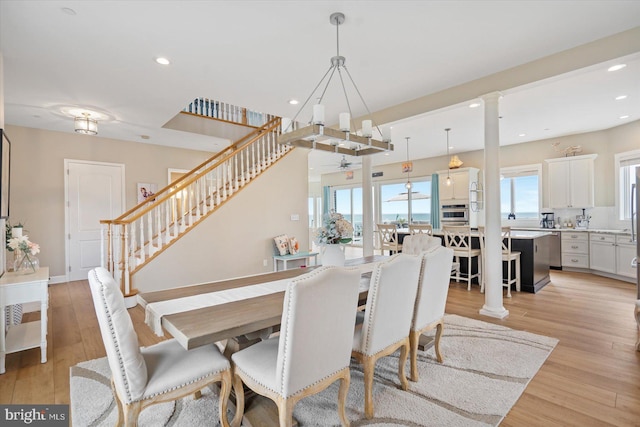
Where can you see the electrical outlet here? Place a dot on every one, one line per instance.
(264, 262)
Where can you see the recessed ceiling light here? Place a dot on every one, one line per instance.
(145, 137)
(163, 61)
(545, 129)
(616, 67)
(621, 97)
(68, 11)
(293, 101)
(474, 105)
(523, 134)
(624, 117)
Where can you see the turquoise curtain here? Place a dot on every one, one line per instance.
(435, 201)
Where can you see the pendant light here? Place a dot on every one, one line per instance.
(448, 175)
(408, 185)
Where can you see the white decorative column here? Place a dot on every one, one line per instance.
(367, 206)
(492, 273)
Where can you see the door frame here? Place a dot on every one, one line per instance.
(67, 162)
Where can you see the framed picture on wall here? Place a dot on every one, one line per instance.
(146, 191)
(5, 169)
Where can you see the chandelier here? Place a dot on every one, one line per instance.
(317, 136)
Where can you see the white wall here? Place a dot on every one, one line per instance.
(238, 237)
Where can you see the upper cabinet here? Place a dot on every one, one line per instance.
(570, 182)
(458, 188)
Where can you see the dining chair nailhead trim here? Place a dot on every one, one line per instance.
(127, 389)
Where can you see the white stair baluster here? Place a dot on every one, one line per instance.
(236, 175)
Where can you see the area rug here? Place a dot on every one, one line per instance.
(485, 370)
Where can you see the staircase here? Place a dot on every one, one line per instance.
(132, 240)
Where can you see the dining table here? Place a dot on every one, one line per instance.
(233, 314)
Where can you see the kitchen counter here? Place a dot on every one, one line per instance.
(591, 230)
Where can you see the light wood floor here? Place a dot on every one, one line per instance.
(591, 378)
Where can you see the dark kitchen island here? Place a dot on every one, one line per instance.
(534, 257)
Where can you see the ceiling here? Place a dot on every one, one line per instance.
(100, 55)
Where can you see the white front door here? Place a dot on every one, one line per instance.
(94, 192)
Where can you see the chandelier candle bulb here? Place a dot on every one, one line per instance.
(386, 134)
(367, 128)
(344, 122)
(318, 114)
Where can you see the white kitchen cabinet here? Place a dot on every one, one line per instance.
(575, 249)
(625, 252)
(458, 190)
(571, 181)
(602, 252)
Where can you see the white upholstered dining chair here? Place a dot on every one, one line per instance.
(387, 319)
(313, 348)
(160, 373)
(414, 244)
(431, 300)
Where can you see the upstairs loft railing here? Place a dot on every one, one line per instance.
(228, 112)
(142, 233)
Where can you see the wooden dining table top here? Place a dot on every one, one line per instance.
(208, 325)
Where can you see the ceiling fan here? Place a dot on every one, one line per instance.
(345, 164)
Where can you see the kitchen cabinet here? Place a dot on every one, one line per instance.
(571, 181)
(625, 252)
(602, 252)
(575, 249)
(458, 190)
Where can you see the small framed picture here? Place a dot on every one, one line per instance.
(407, 167)
(349, 174)
(146, 191)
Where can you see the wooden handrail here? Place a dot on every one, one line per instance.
(193, 175)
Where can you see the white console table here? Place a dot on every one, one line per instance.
(290, 257)
(18, 288)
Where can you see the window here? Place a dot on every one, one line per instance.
(520, 192)
(626, 163)
(348, 202)
(395, 205)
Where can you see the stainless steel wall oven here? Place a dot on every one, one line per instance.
(454, 214)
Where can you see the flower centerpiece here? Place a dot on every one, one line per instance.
(335, 230)
(26, 252)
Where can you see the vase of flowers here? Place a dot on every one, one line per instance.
(25, 253)
(335, 231)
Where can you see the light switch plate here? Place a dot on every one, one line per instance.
(295, 217)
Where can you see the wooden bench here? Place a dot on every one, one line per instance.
(290, 257)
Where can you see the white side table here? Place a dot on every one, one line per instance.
(19, 289)
(290, 257)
